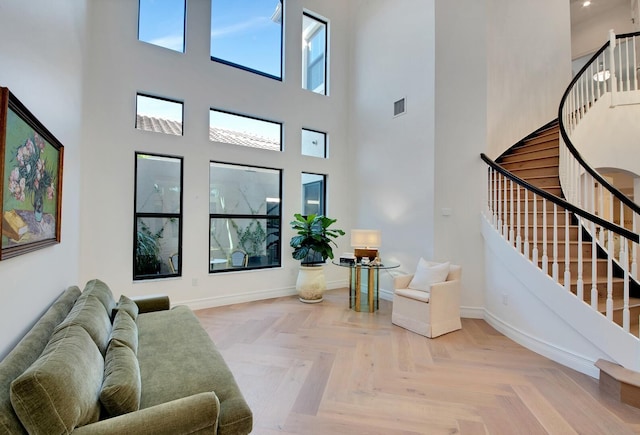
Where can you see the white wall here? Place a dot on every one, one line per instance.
(41, 44)
(499, 76)
(528, 67)
(461, 132)
(392, 163)
(119, 66)
(606, 137)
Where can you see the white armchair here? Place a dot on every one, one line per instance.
(430, 313)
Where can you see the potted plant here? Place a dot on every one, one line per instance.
(312, 246)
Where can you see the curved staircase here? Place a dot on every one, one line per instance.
(568, 238)
(535, 160)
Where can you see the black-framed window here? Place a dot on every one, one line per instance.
(244, 130)
(248, 35)
(160, 115)
(313, 193)
(162, 23)
(313, 143)
(244, 217)
(157, 241)
(314, 54)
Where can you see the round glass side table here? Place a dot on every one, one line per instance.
(368, 301)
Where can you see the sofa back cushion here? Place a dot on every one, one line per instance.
(89, 313)
(127, 305)
(121, 388)
(60, 390)
(125, 330)
(100, 290)
(26, 352)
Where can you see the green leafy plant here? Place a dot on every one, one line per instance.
(148, 250)
(314, 237)
(251, 238)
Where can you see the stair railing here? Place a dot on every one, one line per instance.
(610, 77)
(520, 212)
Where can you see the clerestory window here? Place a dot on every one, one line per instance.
(248, 35)
(314, 54)
(162, 22)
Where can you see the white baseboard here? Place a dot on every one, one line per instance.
(472, 312)
(258, 295)
(548, 350)
(385, 294)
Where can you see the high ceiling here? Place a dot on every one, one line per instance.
(580, 14)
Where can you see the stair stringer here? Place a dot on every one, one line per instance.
(542, 316)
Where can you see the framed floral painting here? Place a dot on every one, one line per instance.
(31, 184)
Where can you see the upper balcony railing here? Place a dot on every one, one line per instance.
(610, 77)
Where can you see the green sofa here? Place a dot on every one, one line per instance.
(91, 365)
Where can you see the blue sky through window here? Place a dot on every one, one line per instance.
(161, 22)
(247, 33)
(159, 108)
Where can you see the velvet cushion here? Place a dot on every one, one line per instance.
(100, 290)
(121, 388)
(125, 330)
(59, 391)
(89, 313)
(428, 273)
(127, 305)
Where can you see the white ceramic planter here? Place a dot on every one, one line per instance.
(311, 284)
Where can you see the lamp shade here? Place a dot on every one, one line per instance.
(366, 238)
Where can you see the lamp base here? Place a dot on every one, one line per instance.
(360, 253)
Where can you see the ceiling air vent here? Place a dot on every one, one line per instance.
(399, 107)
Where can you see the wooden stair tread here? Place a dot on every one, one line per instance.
(619, 373)
(549, 139)
(533, 146)
(620, 383)
(530, 179)
(527, 155)
(618, 304)
(530, 168)
(526, 163)
(547, 136)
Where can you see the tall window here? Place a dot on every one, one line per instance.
(248, 35)
(244, 130)
(161, 22)
(158, 217)
(245, 219)
(314, 54)
(160, 115)
(314, 143)
(313, 194)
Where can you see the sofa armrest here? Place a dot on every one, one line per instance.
(402, 281)
(181, 416)
(147, 304)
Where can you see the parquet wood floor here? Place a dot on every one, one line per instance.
(324, 369)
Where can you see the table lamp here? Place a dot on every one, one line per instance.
(366, 243)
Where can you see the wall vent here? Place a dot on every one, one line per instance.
(399, 107)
